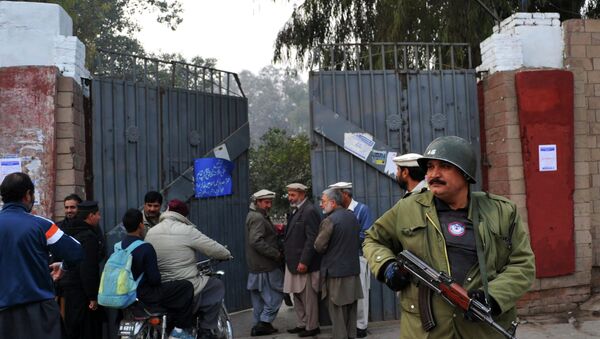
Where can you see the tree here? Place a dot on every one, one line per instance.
(317, 22)
(109, 24)
(276, 99)
(278, 161)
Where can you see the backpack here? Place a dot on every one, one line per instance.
(117, 286)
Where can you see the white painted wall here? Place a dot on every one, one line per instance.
(532, 40)
(39, 34)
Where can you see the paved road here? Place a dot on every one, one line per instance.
(583, 325)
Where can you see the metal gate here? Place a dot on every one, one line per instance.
(150, 120)
(369, 101)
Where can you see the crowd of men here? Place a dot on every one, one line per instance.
(439, 219)
(163, 249)
(476, 238)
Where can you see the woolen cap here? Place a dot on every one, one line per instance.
(297, 187)
(341, 185)
(178, 206)
(408, 160)
(87, 206)
(263, 194)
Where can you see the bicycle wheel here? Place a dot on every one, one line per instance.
(224, 326)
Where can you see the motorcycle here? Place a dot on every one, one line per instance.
(141, 322)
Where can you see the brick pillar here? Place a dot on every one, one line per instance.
(582, 57)
(70, 143)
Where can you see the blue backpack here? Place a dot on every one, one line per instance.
(117, 286)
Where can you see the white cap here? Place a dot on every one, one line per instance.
(408, 160)
(263, 194)
(341, 185)
(297, 187)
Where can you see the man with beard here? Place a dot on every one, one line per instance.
(409, 175)
(338, 242)
(264, 257)
(365, 220)
(152, 203)
(83, 318)
(302, 261)
(447, 227)
(70, 204)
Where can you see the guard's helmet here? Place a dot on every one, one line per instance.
(454, 150)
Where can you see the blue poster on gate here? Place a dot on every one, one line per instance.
(212, 177)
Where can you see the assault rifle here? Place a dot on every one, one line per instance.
(452, 292)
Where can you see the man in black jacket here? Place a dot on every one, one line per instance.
(83, 318)
(302, 261)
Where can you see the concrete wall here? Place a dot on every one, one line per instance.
(27, 107)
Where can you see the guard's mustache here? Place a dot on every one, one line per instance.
(437, 181)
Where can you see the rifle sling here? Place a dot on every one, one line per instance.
(427, 320)
(479, 246)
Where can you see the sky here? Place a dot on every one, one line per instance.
(240, 34)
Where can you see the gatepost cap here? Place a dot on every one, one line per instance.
(296, 186)
(341, 185)
(87, 205)
(263, 194)
(408, 160)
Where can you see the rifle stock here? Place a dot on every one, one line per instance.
(452, 292)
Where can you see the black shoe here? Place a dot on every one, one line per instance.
(288, 300)
(296, 329)
(309, 333)
(361, 333)
(262, 328)
(268, 327)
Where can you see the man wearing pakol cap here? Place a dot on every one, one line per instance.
(302, 261)
(363, 215)
(176, 241)
(338, 242)
(476, 238)
(83, 316)
(409, 175)
(264, 257)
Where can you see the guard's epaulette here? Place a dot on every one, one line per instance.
(493, 196)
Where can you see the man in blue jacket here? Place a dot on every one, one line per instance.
(27, 305)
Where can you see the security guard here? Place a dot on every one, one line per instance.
(475, 237)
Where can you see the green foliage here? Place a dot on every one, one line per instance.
(278, 161)
(317, 22)
(276, 99)
(110, 24)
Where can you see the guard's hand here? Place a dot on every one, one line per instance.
(479, 295)
(56, 271)
(396, 278)
(93, 305)
(301, 268)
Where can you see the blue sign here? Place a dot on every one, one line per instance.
(212, 177)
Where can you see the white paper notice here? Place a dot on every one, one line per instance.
(359, 144)
(221, 152)
(390, 166)
(8, 166)
(547, 158)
